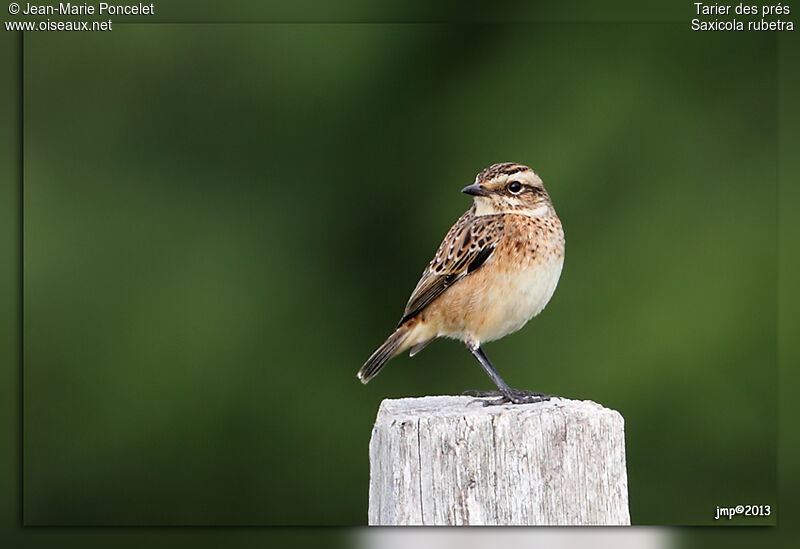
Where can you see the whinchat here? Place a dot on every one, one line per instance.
(496, 268)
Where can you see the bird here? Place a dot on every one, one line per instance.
(497, 267)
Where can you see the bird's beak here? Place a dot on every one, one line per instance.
(475, 190)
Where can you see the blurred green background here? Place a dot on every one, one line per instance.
(223, 221)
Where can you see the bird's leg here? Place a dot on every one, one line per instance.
(506, 393)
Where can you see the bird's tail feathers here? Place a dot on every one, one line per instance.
(396, 344)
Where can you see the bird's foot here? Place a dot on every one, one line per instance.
(477, 393)
(512, 396)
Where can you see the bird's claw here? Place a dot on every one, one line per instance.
(511, 396)
(477, 393)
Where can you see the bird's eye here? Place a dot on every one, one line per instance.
(515, 187)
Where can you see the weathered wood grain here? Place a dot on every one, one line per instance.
(445, 460)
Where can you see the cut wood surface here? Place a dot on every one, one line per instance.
(447, 460)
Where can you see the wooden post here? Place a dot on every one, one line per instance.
(447, 460)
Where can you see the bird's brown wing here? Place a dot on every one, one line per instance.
(467, 246)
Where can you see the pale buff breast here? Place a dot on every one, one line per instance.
(513, 298)
(510, 289)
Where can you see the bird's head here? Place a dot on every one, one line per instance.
(509, 188)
